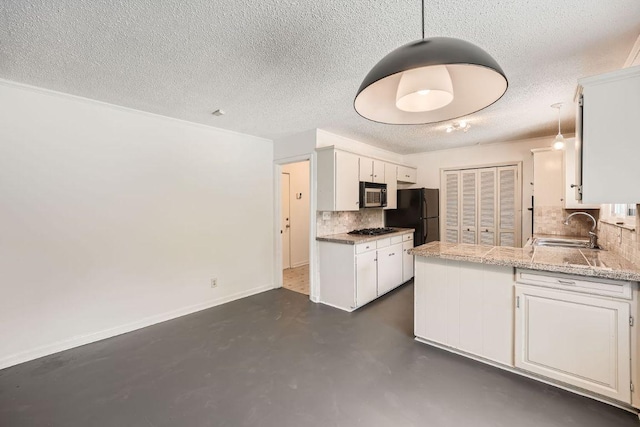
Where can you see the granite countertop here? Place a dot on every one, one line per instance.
(354, 239)
(583, 262)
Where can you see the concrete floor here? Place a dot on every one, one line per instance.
(275, 359)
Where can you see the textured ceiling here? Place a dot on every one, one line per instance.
(279, 67)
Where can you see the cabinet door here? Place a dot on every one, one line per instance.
(347, 186)
(576, 339)
(378, 172)
(509, 232)
(366, 169)
(366, 280)
(610, 149)
(406, 174)
(407, 261)
(389, 268)
(469, 206)
(548, 190)
(451, 207)
(487, 206)
(390, 178)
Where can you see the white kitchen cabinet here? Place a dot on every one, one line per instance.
(353, 275)
(569, 173)
(389, 268)
(366, 277)
(466, 306)
(338, 183)
(390, 173)
(607, 137)
(407, 174)
(371, 170)
(407, 260)
(548, 178)
(576, 339)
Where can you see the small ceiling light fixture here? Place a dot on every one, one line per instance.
(461, 125)
(430, 80)
(558, 143)
(218, 113)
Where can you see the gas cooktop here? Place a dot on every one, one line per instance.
(373, 231)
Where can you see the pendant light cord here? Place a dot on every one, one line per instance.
(559, 107)
(423, 19)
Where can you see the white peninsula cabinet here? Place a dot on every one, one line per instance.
(351, 275)
(465, 306)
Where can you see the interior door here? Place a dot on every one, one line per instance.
(285, 224)
(573, 338)
(451, 207)
(509, 207)
(487, 206)
(469, 206)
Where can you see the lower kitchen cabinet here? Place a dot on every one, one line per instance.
(465, 306)
(389, 268)
(354, 275)
(407, 259)
(576, 339)
(366, 277)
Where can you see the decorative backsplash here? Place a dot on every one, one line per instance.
(621, 241)
(550, 220)
(341, 222)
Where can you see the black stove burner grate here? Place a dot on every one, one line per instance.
(372, 231)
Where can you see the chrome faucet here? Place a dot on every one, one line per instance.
(593, 237)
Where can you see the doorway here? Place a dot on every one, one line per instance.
(295, 224)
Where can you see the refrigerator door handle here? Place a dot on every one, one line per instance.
(425, 230)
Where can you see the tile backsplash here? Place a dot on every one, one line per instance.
(550, 220)
(341, 222)
(621, 241)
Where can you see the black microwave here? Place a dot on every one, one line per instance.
(373, 195)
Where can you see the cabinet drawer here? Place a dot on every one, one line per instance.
(365, 247)
(407, 237)
(383, 243)
(594, 286)
(396, 239)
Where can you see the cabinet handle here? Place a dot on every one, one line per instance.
(517, 302)
(357, 203)
(392, 254)
(573, 185)
(566, 282)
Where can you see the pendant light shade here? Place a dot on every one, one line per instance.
(430, 80)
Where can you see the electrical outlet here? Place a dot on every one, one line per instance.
(326, 216)
(214, 283)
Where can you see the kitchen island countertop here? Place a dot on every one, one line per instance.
(582, 262)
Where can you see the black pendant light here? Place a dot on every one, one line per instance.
(430, 80)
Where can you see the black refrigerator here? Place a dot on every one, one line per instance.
(418, 208)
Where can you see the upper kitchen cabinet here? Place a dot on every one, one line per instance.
(338, 181)
(390, 173)
(548, 188)
(407, 174)
(569, 163)
(608, 140)
(371, 170)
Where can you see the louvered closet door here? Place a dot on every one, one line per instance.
(508, 210)
(452, 206)
(487, 206)
(469, 206)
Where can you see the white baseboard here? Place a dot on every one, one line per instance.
(66, 344)
(299, 264)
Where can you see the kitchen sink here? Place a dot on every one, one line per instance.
(561, 243)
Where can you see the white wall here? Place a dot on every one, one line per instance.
(113, 219)
(299, 212)
(430, 163)
(300, 144)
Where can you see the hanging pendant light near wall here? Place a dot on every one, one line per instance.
(558, 143)
(430, 80)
